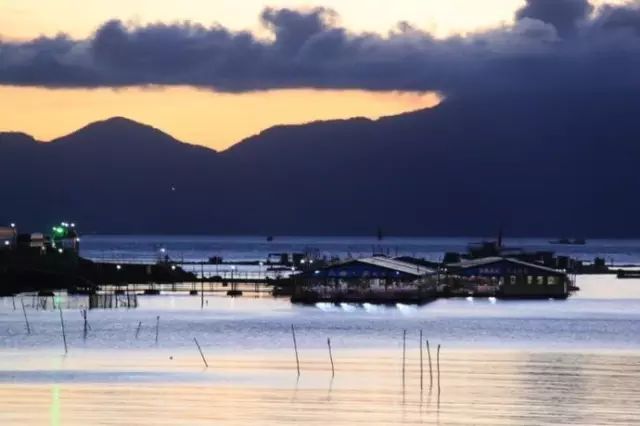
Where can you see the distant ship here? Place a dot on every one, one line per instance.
(270, 238)
(569, 241)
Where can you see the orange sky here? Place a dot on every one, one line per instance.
(29, 18)
(197, 116)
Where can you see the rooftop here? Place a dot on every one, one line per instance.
(471, 263)
(394, 264)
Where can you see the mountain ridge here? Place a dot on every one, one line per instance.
(540, 165)
(116, 129)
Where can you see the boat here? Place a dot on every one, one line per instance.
(629, 274)
(569, 241)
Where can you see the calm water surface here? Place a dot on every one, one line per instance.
(197, 248)
(549, 362)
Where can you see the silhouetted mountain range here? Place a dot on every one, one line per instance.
(540, 164)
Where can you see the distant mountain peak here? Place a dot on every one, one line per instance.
(118, 132)
(119, 121)
(118, 124)
(16, 138)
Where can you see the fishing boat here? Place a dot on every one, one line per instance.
(569, 241)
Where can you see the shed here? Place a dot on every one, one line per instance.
(373, 267)
(512, 277)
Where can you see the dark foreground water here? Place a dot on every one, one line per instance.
(548, 362)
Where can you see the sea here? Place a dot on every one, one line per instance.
(260, 360)
(241, 248)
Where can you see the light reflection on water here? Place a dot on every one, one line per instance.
(476, 387)
(562, 362)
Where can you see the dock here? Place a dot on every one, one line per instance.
(628, 274)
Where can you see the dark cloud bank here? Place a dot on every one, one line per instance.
(553, 43)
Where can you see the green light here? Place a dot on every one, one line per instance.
(55, 409)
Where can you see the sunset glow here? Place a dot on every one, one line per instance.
(203, 116)
(197, 116)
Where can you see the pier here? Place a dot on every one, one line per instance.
(37, 263)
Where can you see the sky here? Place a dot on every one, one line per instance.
(213, 72)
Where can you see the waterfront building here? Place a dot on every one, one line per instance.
(7, 237)
(372, 279)
(507, 277)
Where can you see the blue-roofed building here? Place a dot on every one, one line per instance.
(371, 279)
(509, 278)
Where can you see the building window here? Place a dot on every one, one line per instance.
(513, 280)
(529, 279)
(551, 280)
(540, 280)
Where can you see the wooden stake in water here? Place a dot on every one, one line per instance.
(404, 353)
(333, 371)
(26, 320)
(430, 367)
(421, 367)
(84, 316)
(13, 299)
(64, 335)
(438, 364)
(295, 347)
(138, 329)
(157, 327)
(201, 354)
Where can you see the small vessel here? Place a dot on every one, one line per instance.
(569, 241)
(270, 238)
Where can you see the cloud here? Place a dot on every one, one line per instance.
(552, 44)
(564, 15)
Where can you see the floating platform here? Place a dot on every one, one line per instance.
(374, 298)
(622, 274)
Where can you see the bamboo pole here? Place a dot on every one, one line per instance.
(430, 367)
(64, 335)
(438, 364)
(26, 320)
(157, 327)
(333, 371)
(421, 365)
(404, 353)
(84, 316)
(138, 329)
(295, 347)
(201, 354)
